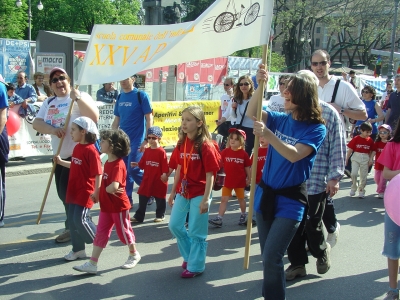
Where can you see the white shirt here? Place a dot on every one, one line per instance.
(277, 103)
(346, 96)
(226, 108)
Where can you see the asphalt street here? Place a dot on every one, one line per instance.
(32, 264)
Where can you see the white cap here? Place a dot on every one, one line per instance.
(87, 124)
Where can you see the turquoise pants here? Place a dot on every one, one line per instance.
(192, 242)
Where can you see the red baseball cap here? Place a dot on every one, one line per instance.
(241, 132)
(57, 69)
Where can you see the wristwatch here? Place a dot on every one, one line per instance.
(341, 110)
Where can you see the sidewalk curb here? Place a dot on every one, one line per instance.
(28, 172)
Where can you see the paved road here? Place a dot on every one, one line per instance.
(32, 267)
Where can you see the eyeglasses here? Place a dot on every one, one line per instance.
(321, 63)
(56, 79)
(244, 84)
(383, 132)
(152, 138)
(40, 78)
(226, 84)
(366, 92)
(281, 83)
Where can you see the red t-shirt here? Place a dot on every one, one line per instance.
(174, 159)
(197, 167)
(378, 148)
(234, 164)
(361, 145)
(262, 156)
(154, 163)
(85, 166)
(114, 171)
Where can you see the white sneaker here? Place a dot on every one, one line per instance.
(380, 196)
(75, 255)
(352, 193)
(333, 237)
(2, 222)
(247, 194)
(87, 267)
(361, 195)
(132, 261)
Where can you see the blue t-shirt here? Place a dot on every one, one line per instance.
(279, 172)
(371, 112)
(4, 146)
(132, 115)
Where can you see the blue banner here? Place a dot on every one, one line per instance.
(14, 58)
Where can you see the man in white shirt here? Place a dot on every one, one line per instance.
(348, 104)
(226, 107)
(276, 102)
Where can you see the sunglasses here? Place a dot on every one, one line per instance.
(321, 63)
(152, 138)
(227, 84)
(281, 83)
(383, 132)
(366, 92)
(244, 84)
(56, 79)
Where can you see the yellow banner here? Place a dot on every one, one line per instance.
(168, 115)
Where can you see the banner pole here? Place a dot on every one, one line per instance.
(54, 164)
(254, 166)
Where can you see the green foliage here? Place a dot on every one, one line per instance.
(194, 8)
(75, 16)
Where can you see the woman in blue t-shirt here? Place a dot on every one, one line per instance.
(281, 198)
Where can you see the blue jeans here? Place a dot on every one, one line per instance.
(192, 243)
(275, 237)
(81, 227)
(133, 174)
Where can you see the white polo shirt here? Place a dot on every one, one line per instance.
(346, 95)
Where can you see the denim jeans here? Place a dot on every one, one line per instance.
(275, 237)
(192, 243)
(133, 174)
(314, 233)
(81, 227)
(61, 176)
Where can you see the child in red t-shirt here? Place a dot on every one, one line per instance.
(384, 131)
(114, 203)
(154, 163)
(361, 146)
(236, 164)
(194, 177)
(83, 182)
(262, 156)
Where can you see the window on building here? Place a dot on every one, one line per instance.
(318, 29)
(317, 42)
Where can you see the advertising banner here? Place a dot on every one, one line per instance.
(14, 58)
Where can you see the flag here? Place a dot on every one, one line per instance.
(116, 52)
(378, 65)
(398, 69)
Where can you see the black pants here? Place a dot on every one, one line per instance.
(329, 216)
(61, 175)
(313, 233)
(161, 205)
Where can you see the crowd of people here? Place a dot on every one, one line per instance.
(301, 159)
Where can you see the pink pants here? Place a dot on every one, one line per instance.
(122, 224)
(380, 182)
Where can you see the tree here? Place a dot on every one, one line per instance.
(13, 20)
(73, 16)
(194, 8)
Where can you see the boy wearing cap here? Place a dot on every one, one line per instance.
(83, 185)
(154, 163)
(237, 165)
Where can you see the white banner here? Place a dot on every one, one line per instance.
(116, 52)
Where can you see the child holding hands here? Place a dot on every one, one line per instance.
(154, 163)
(237, 164)
(384, 131)
(114, 203)
(83, 185)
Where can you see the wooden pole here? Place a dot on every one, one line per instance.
(254, 166)
(54, 164)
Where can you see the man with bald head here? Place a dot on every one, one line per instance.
(25, 90)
